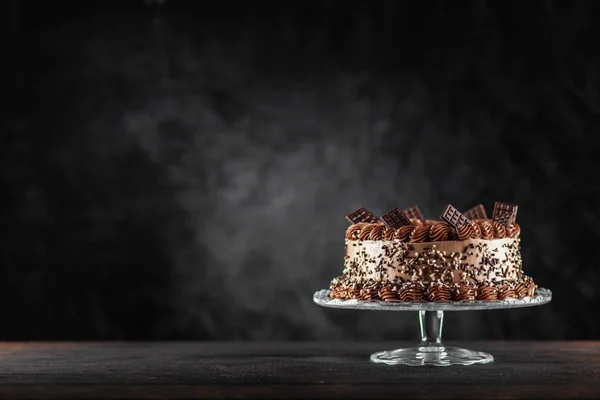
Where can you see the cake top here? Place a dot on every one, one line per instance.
(409, 225)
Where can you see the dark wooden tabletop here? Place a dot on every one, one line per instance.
(290, 370)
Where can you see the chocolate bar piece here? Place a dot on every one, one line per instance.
(454, 217)
(477, 212)
(395, 219)
(362, 215)
(504, 213)
(414, 212)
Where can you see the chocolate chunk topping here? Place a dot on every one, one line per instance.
(413, 212)
(477, 212)
(454, 217)
(362, 215)
(504, 213)
(395, 219)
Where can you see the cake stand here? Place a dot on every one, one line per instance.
(431, 350)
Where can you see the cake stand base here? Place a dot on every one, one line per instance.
(429, 355)
(431, 350)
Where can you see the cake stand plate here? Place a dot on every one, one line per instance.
(431, 350)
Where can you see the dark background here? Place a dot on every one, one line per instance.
(181, 170)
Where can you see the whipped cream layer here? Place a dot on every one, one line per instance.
(470, 260)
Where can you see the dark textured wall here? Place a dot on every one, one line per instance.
(182, 170)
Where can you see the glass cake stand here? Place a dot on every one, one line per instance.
(431, 350)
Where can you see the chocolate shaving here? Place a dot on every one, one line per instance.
(477, 212)
(362, 215)
(504, 213)
(454, 217)
(395, 218)
(413, 212)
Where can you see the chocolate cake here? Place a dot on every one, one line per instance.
(401, 256)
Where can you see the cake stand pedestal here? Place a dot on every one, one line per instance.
(431, 350)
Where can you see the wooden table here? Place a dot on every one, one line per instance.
(174, 370)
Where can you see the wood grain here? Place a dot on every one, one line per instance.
(171, 370)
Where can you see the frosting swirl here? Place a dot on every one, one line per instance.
(336, 284)
(476, 230)
(452, 234)
(464, 291)
(389, 234)
(420, 234)
(464, 232)
(404, 232)
(369, 292)
(354, 291)
(531, 286)
(388, 293)
(333, 292)
(337, 288)
(430, 221)
(377, 232)
(353, 231)
(438, 291)
(411, 291)
(487, 230)
(366, 231)
(487, 291)
(513, 230)
(505, 291)
(439, 231)
(521, 290)
(499, 230)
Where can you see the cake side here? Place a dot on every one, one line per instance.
(397, 258)
(472, 260)
(448, 270)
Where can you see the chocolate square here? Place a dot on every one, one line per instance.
(477, 212)
(454, 217)
(395, 219)
(362, 215)
(504, 213)
(414, 212)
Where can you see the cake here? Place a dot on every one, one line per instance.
(460, 257)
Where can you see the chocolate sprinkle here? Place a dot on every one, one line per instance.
(454, 217)
(362, 215)
(395, 218)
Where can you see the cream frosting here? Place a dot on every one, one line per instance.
(433, 261)
(433, 231)
(471, 260)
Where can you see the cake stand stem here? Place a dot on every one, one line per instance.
(431, 323)
(431, 350)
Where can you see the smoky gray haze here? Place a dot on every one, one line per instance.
(171, 178)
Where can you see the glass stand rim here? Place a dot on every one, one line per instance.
(542, 296)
